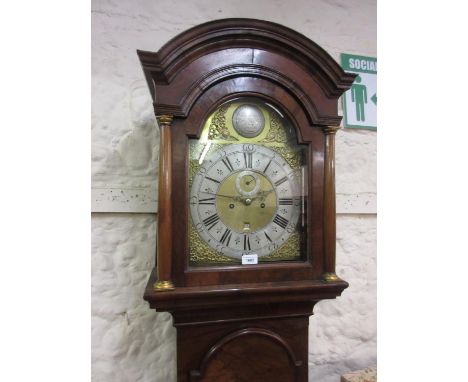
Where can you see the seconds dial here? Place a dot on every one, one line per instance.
(244, 199)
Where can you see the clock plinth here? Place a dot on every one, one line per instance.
(253, 332)
(248, 114)
(243, 332)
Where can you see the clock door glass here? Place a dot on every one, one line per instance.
(247, 187)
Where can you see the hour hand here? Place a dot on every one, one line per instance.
(235, 198)
(262, 194)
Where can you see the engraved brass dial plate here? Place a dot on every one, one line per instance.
(246, 193)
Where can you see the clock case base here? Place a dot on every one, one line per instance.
(248, 332)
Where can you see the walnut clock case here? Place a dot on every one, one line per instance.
(246, 233)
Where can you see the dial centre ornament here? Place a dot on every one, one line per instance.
(248, 120)
(246, 216)
(247, 183)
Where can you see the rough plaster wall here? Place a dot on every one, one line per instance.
(133, 343)
(130, 342)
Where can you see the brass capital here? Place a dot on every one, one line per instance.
(330, 277)
(331, 130)
(165, 119)
(163, 286)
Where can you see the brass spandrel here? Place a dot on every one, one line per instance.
(290, 250)
(193, 168)
(218, 128)
(202, 254)
(276, 132)
(292, 157)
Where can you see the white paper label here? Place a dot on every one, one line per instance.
(250, 259)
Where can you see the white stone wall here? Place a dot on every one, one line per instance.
(132, 343)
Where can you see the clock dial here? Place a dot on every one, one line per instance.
(245, 199)
(246, 187)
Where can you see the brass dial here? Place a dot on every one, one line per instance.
(247, 186)
(245, 198)
(252, 204)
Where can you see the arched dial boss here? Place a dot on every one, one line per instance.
(245, 199)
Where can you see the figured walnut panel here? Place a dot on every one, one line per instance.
(251, 354)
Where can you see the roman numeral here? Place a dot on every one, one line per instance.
(226, 237)
(207, 201)
(228, 164)
(268, 237)
(248, 159)
(246, 243)
(285, 202)
(282, 180)
(211, 221)
(213, 180)
(266, 168)
(282, 222)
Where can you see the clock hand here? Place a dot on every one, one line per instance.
(236, 198)
(262, 194)
(247, 182)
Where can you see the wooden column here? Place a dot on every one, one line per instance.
(164, 239)
(330, 205)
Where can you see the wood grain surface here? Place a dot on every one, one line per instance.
(244, 323)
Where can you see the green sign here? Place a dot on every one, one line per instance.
(360, 102)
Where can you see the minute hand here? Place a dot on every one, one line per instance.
(236, 198)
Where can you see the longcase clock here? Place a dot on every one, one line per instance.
(246, 232)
